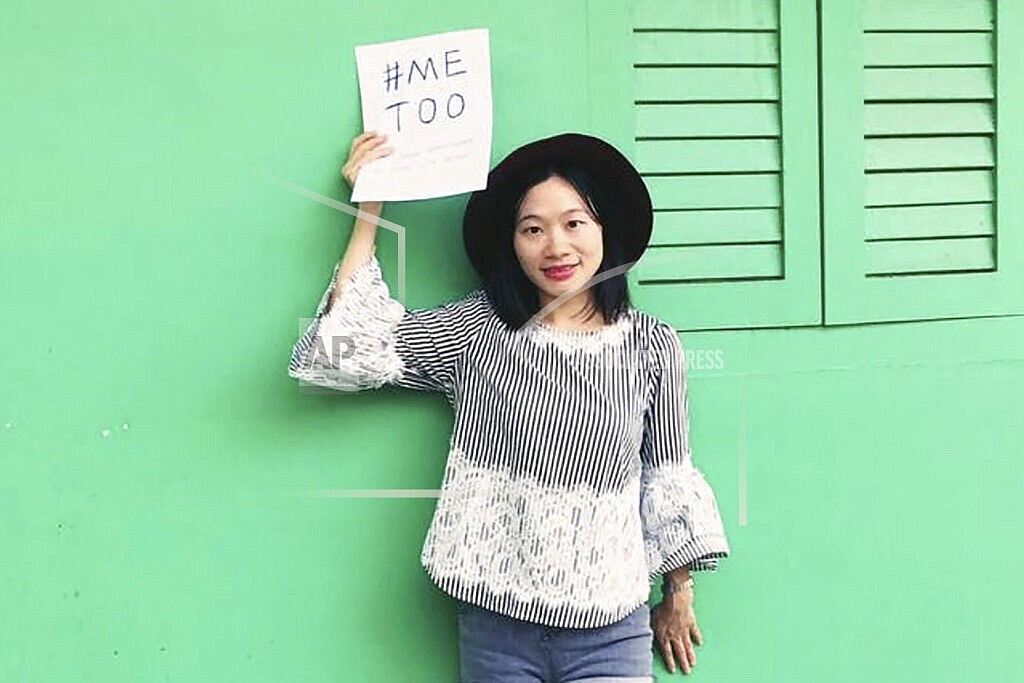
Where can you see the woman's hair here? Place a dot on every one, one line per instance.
(514, 295)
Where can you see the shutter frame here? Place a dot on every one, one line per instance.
(851, 295)
(697, 298)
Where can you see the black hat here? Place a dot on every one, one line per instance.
(609, 169)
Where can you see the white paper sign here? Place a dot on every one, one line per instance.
(432, 97)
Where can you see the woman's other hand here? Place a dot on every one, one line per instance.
(675, 630)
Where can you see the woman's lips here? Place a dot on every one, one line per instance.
(560, 272)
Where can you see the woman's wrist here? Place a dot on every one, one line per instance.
(677, 581)
(678, 575)
(372, 207)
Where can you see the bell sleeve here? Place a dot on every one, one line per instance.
(367, 339)
(680, 517)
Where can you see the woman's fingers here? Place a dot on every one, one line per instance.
(379, 151)
(366, 158)
(359, 139)
(366, 147)
(678, 649)
(681, 653)
(689, 654)
(366, 141)
(360, 144)
(698, 637)
(677, 636)
(363, 159)
(665, 644)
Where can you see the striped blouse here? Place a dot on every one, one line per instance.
(569, 484)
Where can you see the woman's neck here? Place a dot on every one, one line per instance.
(572, 313)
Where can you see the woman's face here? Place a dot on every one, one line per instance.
(555, 227)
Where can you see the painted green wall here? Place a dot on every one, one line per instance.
(152, 445)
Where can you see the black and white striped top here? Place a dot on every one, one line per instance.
(569, 485)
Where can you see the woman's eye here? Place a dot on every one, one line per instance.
(575, 221)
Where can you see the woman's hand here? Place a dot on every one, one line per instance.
(364, 148)
(675, 630)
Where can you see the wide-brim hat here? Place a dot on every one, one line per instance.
(615, 175)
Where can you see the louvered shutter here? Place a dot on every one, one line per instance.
(724, 129)
(921, 142)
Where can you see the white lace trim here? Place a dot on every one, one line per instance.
(678, 508)
(588, 341)
(351, 347)
(536, 542)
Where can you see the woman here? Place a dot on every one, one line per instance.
(569, 484)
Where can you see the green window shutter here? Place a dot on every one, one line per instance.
(922, 147)
(724, 130)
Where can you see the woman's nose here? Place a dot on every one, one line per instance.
(557, 244)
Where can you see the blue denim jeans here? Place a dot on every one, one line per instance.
(494, 648)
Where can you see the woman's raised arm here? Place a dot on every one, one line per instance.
(360, 337)
(364, 148)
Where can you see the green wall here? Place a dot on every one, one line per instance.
(153, 450)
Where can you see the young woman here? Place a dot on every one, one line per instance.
(569, 484)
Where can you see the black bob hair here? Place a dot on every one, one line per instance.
(515, 296)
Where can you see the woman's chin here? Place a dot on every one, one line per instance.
(558, 288)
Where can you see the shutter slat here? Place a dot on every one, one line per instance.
(709, 84)
(707, 156)
(734, 15)
(910, 119)
(927, 15)
(927, 49)
(707, 120)
(703, 227)
(928, 152)
(696, 48)
(930, 256)
(928, 83)
(714, 191)
(929, 221)
(676, 264)
(924, 187)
